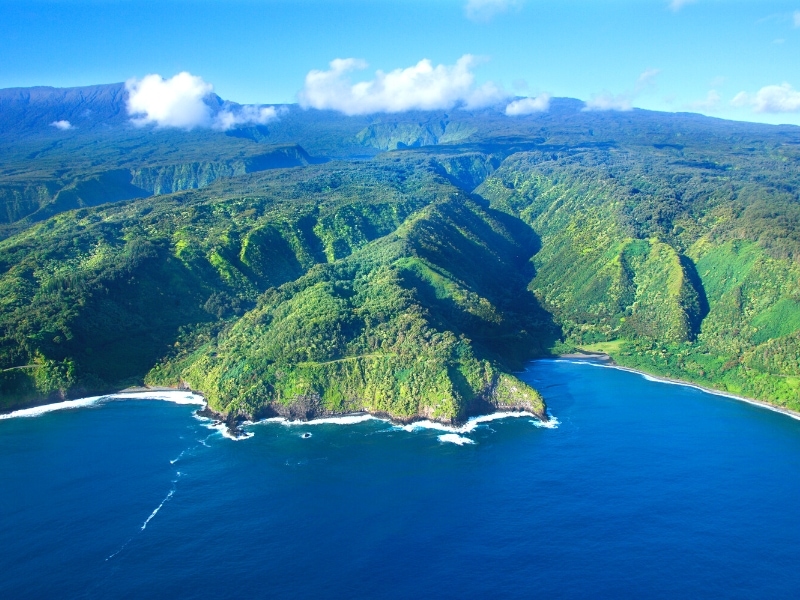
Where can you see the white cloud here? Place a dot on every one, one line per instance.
(247, 114)
(482, 11)
(741, 99)
(647, 79)
(421, 87)
(796, 18)
(62, 125)
(676, 5)
(606, 101)
(624, 101)
(181, 102)
(527, 106)
(486, 95)
(770, 99)
(175, 102)
(709, 104)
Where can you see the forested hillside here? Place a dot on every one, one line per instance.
(680, 263)
(404, 264)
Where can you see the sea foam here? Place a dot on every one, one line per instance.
(551, 423)
(345, 420)
(471, 425)
(158, 508)
(222, 428)
(454, 438)
(176, 397)
(37, 411)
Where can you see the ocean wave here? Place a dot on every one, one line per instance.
(471, 424)
(40, 410)
(551, 423)
(222, 428)
(345, 420)
(176, 397)
(454, 438)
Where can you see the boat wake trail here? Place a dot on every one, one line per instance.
(152, 514)
(158, 508)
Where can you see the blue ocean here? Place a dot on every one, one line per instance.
(638, 489)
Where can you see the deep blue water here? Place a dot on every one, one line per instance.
(644, 489)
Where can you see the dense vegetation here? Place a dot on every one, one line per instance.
(410, 282)
(340, 274)
(689, 268)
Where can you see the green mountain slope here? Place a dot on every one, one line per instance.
(405, 264)
(682, 267)
(398, 327)
(93, 298)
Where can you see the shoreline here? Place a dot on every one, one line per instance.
(600, 359)
(233, 424)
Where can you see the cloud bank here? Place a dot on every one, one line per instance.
(482, 11)
(62, 125)
(710, 103)
(182, 102)
(607, 101)
(244, 115)
(420, 87)
(770, 99)
(528, 106)
(623, 101)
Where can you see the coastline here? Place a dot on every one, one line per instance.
(600, 359)
(174, 395)
(232, 425)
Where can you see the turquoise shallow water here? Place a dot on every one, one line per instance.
(643, 489)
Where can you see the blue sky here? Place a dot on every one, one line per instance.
(728, 58)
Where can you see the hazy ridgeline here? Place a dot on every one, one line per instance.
(404, 264)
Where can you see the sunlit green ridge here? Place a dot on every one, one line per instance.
(404, 264)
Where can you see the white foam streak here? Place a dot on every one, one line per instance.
(158, 508)
(454, 438)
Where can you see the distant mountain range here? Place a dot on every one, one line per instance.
(403, 264)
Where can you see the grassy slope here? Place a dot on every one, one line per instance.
(689, 273)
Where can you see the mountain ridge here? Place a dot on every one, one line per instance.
(374, 263)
